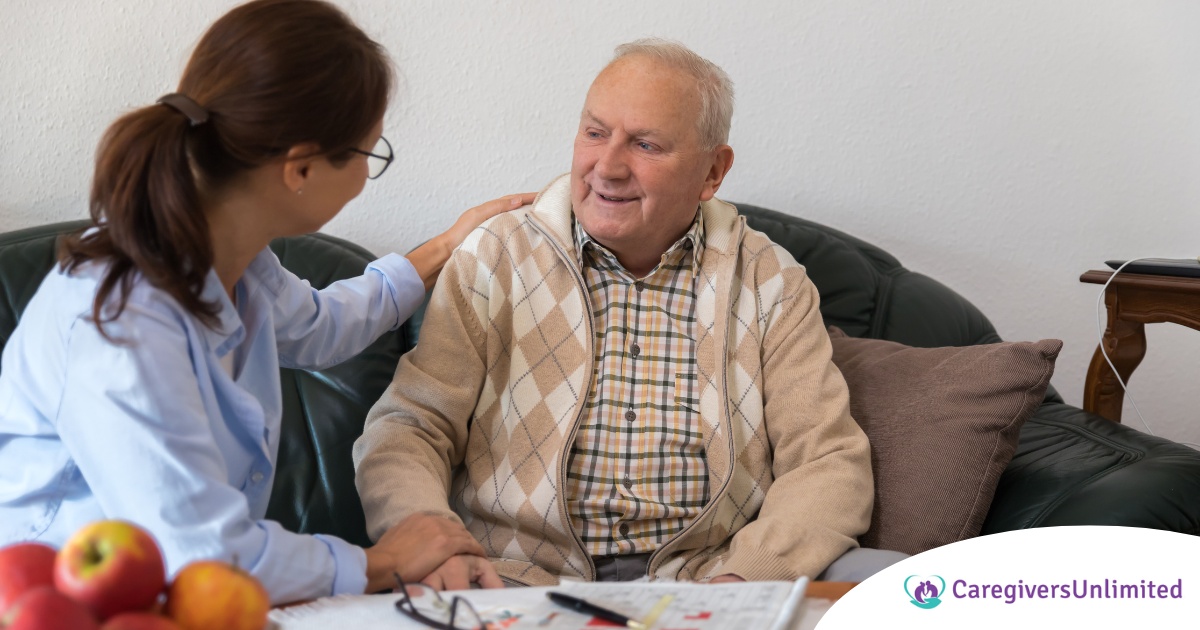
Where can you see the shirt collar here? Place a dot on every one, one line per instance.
(226, 331)
(694, 235)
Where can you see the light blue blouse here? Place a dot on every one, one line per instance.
(153, 430)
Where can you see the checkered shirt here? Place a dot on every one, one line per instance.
(638, 474)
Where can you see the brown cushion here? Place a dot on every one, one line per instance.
(943, 424)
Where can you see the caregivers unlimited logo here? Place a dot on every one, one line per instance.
(923, 591)
(926, 591)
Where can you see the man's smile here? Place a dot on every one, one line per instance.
(614, 198)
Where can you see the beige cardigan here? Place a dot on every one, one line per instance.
(485, 409)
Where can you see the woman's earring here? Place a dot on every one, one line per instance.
(300, 191)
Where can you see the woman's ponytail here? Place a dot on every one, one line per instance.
(145, 209)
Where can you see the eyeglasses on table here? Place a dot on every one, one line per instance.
(456, 614)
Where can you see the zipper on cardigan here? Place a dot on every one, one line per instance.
(566, 453)
(733, 456)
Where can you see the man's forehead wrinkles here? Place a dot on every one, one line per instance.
(644, 132)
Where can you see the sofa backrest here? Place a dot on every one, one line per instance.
(866, 292)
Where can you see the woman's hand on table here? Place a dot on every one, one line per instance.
(416, 547)
(430, 257)
(460, 572)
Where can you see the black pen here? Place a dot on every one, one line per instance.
(579, 605)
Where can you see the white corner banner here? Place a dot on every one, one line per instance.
(1085, 576)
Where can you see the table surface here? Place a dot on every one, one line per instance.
(1182, 284)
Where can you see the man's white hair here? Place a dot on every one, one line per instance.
(715, 86)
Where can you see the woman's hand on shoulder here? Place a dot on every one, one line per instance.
(472, 218)
(429, 258)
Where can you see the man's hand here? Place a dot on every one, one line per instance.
(415, 547)
(459, 572)
(725, 579)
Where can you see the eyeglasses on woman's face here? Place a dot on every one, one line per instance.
(378, 159)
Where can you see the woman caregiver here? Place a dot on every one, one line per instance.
(143, 380)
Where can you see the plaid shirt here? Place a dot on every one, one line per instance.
(637, 474)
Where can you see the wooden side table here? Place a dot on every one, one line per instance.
(1133, 300)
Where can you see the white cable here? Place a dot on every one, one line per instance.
(1104, 353)
(1100, 333)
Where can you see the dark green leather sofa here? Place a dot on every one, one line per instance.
(1070, 468)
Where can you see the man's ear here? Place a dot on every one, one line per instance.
(297, 165)
(722, 161)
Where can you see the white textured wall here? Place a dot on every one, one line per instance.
(1001, 147)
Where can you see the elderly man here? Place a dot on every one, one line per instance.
(625, 380)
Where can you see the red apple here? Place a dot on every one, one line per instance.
(208, 595)
(22, 567)
(43, 608)
(139, 621)
(111, 567)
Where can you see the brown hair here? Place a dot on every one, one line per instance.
(272, 74)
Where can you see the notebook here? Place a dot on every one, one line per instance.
(766, 605)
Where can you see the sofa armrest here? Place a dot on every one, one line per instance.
(1076, 468)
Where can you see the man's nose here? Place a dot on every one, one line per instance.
(611, 164)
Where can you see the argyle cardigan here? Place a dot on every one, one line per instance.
(480, 418)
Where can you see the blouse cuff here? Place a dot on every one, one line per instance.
(350, 565)
(407, 287)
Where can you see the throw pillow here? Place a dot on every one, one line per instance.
(943, 424)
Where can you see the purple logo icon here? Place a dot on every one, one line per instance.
(923, 591)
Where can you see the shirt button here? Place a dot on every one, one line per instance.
(635, 350)
(256, 477)
(639, 286)
(624, 529)
(630, 415)
(628, 483)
